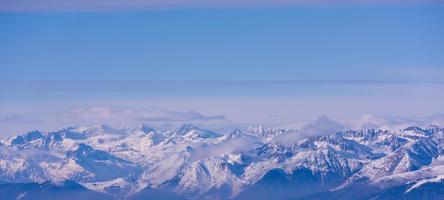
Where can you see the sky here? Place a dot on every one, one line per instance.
(252, 62)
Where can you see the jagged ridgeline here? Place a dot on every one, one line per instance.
(101, 162)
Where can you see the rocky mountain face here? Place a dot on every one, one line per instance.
(102, 162)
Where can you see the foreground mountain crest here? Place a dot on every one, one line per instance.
(102, 162)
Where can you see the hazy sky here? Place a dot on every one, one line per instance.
(253, 63)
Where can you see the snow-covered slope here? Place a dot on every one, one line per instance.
(194, 163)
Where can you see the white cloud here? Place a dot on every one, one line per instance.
(157, 117)
(321, 126)
(324, 125)
(368, 121)
(113, 116)
(18, 118)
(121, 116)
(11, 124)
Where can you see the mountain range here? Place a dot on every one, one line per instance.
(103, 162)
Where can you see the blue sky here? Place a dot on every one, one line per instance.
(317, 59)
(357, 42)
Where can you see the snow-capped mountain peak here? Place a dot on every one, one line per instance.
(195, 163)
